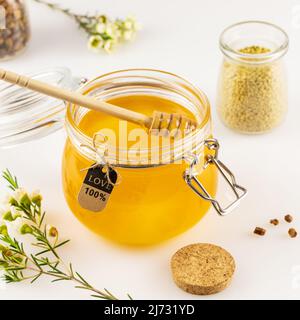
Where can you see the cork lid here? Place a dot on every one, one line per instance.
(26, 115)
(202, 269)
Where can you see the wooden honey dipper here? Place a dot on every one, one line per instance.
(160, 123)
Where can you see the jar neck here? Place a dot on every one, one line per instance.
(142, 82)
(254, 42)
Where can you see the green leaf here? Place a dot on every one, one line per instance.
(36, 277)
(42, 219)
(61, 244)
(83, 280)
(12, 180)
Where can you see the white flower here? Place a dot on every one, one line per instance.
(108, 46)
(15, 212)
(36, 197)
(3, 230)
(128, 24)
(35, 193)
(128, 35)
(95, 42)
(4, 208)
(18, 194)
(5, 201)
(102, 19)
(101, 27)
(25, 229)
(13, 227)
(110, 33)
(109, 30)
(117, 34)
(16, 225)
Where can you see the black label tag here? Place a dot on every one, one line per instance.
(97, 188)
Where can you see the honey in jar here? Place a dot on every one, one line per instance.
(151, 202)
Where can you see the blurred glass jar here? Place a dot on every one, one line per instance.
(14, 29)
(252, 90)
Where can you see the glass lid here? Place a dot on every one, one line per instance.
(26, 115)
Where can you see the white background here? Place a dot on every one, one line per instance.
(181, 37)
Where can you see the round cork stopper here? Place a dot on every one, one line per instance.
(202, 269)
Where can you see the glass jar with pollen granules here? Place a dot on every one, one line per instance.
(252, 90)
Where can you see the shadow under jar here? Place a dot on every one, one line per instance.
(252, 90)
(152, 201)
(14, 29)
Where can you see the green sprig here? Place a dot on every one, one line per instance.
(13, 182)
(19, 265)
(103, 33)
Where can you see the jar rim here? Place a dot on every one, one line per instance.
(236, 54)
(27, 115)
(198, 135)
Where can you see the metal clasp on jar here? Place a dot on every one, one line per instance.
(212, 159)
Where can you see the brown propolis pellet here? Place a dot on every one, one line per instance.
(260, 231)
(293, 233)
(288, 218)
(275, 222)
(202, 269)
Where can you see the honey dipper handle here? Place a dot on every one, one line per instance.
(75, 97)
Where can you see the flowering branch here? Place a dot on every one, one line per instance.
(104, 34)
(24, 212)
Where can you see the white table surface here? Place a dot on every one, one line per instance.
(181, 37)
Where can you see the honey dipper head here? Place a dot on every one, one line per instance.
(171, 124)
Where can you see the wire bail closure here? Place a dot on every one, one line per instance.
(190, 178)
(100, 155)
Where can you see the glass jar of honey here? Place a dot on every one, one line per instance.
(126, 185)
(150, 188)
